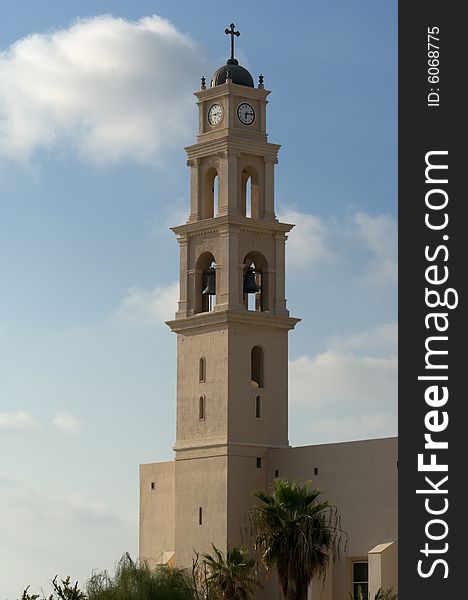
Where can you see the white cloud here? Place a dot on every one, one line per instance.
(379, 235)
(17, 421)
(335, 379)
(382, 340)
(314, 241)
(375, 425)
(307, 242)
(110, 88)
(350, 389)
(155, 305)
(37, 524)
(66, 422)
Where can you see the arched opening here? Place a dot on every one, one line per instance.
(257, 367)
(216, 196)
(210, 206)
(250, 196)
(202, 370)
(201, 408)
(254, 287)
(205, 283)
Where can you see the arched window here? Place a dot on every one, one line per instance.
(250, 195)
(255, 283)
(258, 407)
(201, 408)
(202, 370)
(209, 288)
(257, 367)
(216, 196)
(210, 206)
(252, 287)
(205, 283)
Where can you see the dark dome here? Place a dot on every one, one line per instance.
(237, 74)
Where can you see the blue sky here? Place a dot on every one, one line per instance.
(94, 115)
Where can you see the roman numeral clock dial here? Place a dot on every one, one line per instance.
(215, 114)
(245, 114)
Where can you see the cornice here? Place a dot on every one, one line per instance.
(230, 144)
(233, 89)
(220, 448)
(214, 224)
(207, 320)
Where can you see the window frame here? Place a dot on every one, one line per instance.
(355, 584)
(202, 370)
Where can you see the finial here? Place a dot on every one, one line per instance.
(231, 31)
(203, 83)
(260, 82)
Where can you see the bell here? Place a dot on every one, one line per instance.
(210, 289)
(250, 285)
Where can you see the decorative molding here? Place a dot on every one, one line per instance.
(207, 320)
(230, 144)
(214, 224)
(191, 446)
(225, 89)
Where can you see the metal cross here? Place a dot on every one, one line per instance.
(232, 33)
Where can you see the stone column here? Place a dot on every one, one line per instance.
(183, 278)
(269, 189)
(280, 300)
(195, 204)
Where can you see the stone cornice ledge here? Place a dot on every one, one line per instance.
(215, 223)
(190, 446)
(228, 144)
(214, 318)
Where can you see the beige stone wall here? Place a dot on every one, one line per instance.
(157, 514)
(271, 429)
(213, 345)
(200, 482)
(383, 568)
(244, 478)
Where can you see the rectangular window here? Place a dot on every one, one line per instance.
(200, 515)
(315, 471)
(360, 580)
(258, 407)
(153, 485)
(259, 462)
(201, 408)
(202, 370)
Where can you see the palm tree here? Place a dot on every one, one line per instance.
(136, 580)
(296, 532)
(232, 576)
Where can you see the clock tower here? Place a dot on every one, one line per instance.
(232, 328)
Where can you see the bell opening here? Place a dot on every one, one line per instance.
(209, 289)
(252, 288)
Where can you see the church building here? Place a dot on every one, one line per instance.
(232, 327)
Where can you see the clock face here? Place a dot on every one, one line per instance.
(215, 114)
(246, 113)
